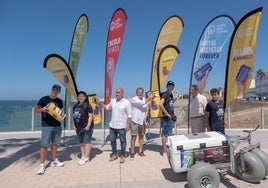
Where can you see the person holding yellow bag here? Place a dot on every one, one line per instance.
(51, 128)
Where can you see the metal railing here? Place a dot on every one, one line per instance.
(27, 120)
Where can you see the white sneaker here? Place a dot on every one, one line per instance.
(165, 155)
(83, 161)
(41, 170)
(56, 163)
(86, 159)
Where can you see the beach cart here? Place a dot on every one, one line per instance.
(201, 154)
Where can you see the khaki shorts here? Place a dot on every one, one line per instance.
(137, 129)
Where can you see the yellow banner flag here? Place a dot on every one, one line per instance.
(95, 107)
(169, 34)
(242, 56)
(166, 61)
(154, 108)
(59, 68)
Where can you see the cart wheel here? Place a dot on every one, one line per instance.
(203, 175)
(263, 157)
(254, 170)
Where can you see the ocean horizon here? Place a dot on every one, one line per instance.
(17, 115)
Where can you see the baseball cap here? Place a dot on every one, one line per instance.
(56, 86)
(83, 93)
(170, 83)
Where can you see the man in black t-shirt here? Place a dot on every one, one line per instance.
(51, 128)
(168, 119)
(214, 113)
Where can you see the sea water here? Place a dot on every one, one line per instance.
(17, 115)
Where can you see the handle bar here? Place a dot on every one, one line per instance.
(250, 131)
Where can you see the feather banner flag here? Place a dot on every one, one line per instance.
(169, 34)
(241, 56)
(78, 39)
(59, 68)
(76, 48)
(165, 63)
(212, 50)
(95, 107)
(154, 107)
(114, 42)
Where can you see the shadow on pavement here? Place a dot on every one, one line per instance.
(151, 136)
(174, 177)
(226, 181)
(26, 148)
(72, 148)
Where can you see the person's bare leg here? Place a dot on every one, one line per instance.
(133, 140)
(164, 140)
(54, 148)
(87, 147)
(82, 149)
(141, 143)
(43, 154)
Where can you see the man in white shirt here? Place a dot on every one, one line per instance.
(120, 122)
(198, 104)
(139, 120)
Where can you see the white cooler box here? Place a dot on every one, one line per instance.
(185, 150)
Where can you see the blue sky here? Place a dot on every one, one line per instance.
(32, 29)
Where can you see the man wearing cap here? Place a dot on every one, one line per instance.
(51, 129)
(168, 119)
(198, 104)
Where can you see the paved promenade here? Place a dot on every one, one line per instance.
(19, 162)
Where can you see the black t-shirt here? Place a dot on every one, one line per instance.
(216, 116)
(80, 114)
(47, 119)
(168, 104)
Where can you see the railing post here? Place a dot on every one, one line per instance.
(32, 119)
(229, 117)
(102, 124)
(69, 118)
(262, 117)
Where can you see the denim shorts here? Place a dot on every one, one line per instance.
(86, 136)
(50, 135)
(167, 126)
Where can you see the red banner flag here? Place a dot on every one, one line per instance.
(114, 41)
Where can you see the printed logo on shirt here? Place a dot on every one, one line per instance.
(76, 115)
(220, 113)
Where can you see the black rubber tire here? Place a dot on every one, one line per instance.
(263, 157)
(254, 169)
(203, 175)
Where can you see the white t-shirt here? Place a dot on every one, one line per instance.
(139, 110)
(121, 111)
(197, 105)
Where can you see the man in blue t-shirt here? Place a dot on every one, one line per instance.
(214, 113)
(168, 119)
(51, 128)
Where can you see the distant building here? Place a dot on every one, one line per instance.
(251, 88)
(264, 86)
(252, 84)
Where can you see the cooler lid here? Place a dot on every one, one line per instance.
(191, 141)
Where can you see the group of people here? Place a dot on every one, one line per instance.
(206, 115)
(127, 114)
